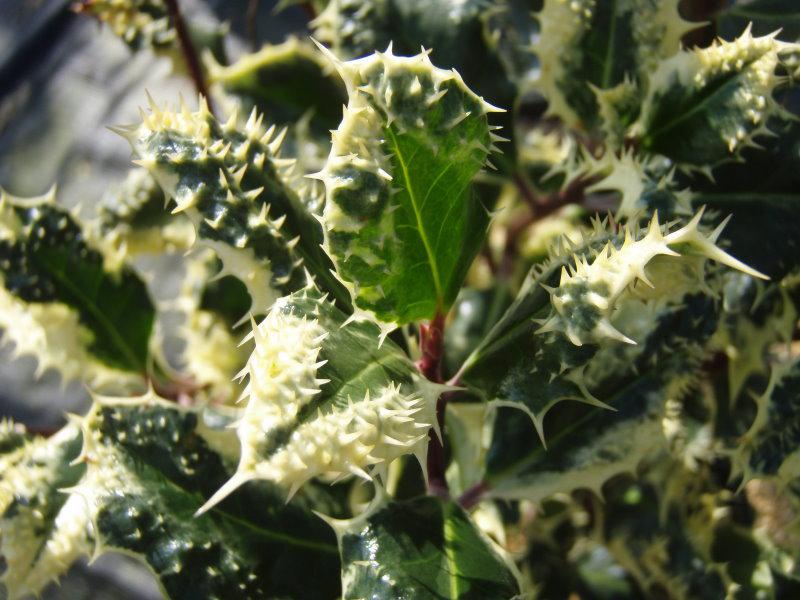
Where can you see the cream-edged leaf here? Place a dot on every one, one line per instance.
(325, 398)
(705, 105)
(43, 530)
(401, 221)
(69, 300)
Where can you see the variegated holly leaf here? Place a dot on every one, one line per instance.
(133, 221)
(283, 81)
(425, 548)
(705, 105)
(598, 55)
(769, 448)
(232, 184)
(664, 540)
(213, 352)
(148, 24)
(562, 362)
(401, 220)
(458, 33)
(755, 317)
(67, 299)
(42, 529)
(586, 444)
(587, 294)
(326, 398)
(766, 16)
(149, 467)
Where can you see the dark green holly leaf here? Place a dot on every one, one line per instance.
(67, 299)
(149, 469)
(426, 549)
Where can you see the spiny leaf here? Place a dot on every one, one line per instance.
(231, 184)
(533, 299)
(139, 23)
(401, 221)
(283, 81)
(147, 24)
(660, 539)
(42, 529)
(211, 307)
(74, 305)
(325, 398)
(133, 221)
(587, 444)
(587, 294)
(425, 548)
(148, 470)
(457, 32)
(765, 16)
(588, 48)
(755, 318)
(643, 187)
(707, 104)
(770, 447)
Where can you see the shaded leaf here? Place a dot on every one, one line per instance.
(766, 17)
(148, 471)
(424, 548)
(704, 106)
(284, 81)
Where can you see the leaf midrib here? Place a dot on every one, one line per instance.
(449, 552)
(418, 217)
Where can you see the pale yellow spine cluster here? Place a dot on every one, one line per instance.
(586, 296)
(35, 551)
(282, 377)
(755, 95)
(370, 432)
(561, 22)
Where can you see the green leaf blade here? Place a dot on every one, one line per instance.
(150, 469)
(401, 221)
(424, 548)
(71, 283)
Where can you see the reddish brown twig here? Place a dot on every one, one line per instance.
(189, 52)
(431, 343)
